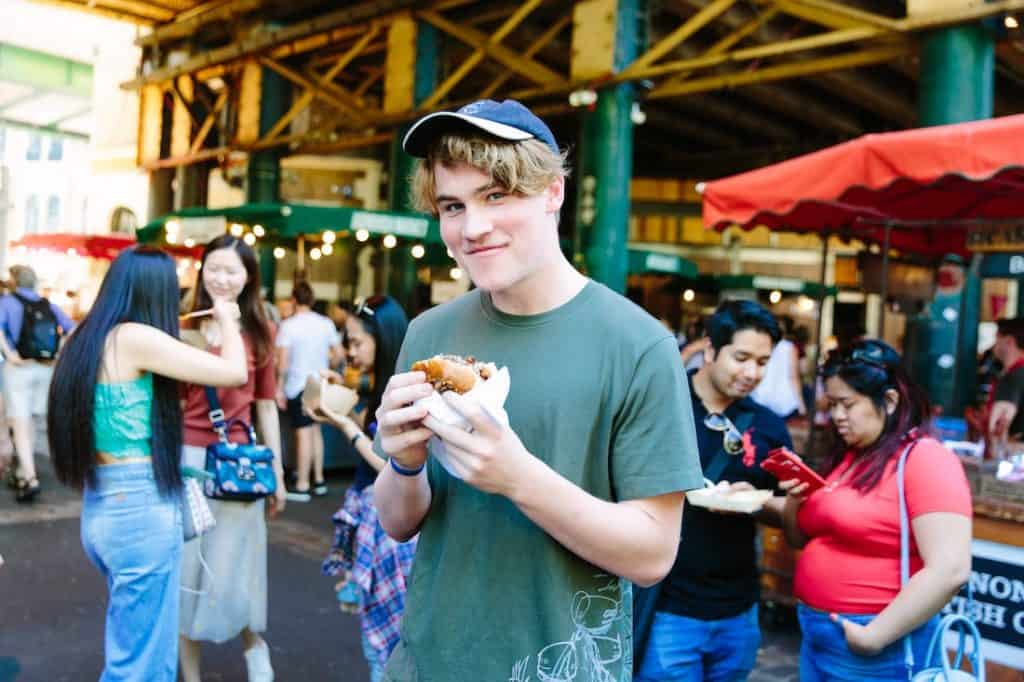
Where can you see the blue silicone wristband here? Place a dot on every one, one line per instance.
(402, 471)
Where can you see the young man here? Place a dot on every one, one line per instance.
(1006, 419)
(703, 624)
(307, 342)
(523, 565)
(29, 353)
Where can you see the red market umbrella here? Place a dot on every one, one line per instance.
(927, 186)
(103, 246)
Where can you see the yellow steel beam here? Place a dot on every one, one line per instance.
(478, 55)
(306, 97)
(250, 91)
(533, 70)
(966, 15)
(302, 81)
(150, 130)
(783, 71)
(102, 11)
(181, 116)
(835, 15)
(211, 117)
(400, 65)
(534, 47)
(740, 34)
(374, 76)
(698, 21)
(684, 66)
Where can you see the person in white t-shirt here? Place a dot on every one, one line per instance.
(306, 343)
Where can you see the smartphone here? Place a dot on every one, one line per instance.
(785, 465)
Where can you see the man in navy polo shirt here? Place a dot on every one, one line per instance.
(703, 624)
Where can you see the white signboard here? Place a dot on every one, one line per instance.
(389, 224)
(202, 229)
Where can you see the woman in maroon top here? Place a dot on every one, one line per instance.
(224, 573)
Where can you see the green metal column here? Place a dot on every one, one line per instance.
(606, 165)
(956, 85)
(263, 177)
(402, 274)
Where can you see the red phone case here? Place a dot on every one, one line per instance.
(785, 465)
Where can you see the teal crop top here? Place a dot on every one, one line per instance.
(122, 415)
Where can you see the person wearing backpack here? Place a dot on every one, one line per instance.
(32, 329)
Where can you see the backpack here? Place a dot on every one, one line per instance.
(40, 336)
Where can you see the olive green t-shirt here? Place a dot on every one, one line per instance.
(598, 393)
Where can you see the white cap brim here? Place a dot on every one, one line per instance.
(423, 133)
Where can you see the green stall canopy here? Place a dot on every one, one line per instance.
(287, 221)
(661, 263)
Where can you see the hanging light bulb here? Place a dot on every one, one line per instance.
(278, 252)
(327, 249)
(189, 243)
(237, 229)
(775, 297)
(329, 237)
(362, 235)
(688, 295)
(258, 230)
(314, 253)
(418, 251)
(390, 241)
(455, 273)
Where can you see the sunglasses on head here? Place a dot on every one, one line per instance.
(732, 439)
(363, 308)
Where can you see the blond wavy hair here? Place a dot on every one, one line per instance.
(526, 168)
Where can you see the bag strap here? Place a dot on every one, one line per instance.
(216, 414)
(908, 650)
(716, 467)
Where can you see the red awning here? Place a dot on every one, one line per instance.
(105, 246)
(927, 182)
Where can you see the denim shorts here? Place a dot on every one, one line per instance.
(826, 657)
(683, 649)
(134, 537)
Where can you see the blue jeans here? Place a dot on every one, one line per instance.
(825, 656)
(682, 649)
(134, 537)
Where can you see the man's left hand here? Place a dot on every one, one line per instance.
(859, 638)
(490, 457)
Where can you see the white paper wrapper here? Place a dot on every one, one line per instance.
(491, 394)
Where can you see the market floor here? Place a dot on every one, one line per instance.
(52, 601)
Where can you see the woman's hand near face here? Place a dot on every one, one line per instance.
(226, 312)
(332, 377)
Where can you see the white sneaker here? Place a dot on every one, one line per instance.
(257, 663)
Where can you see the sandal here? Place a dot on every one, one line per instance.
(27, 489)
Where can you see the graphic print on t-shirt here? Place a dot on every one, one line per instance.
(589, 655)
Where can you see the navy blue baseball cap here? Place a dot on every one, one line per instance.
(508, 120)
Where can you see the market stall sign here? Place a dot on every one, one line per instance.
(380, 223)
(997, 578)
(1002, 265)
(203, 229)
(666, 263)
(999, 237)
(781, 283)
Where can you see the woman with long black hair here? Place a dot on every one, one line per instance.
(854, 610)
(114, 425)
(227, 597)
(376, 566)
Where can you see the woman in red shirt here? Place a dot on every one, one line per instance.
(853, 611)
(224, 572)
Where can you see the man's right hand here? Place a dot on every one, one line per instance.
(15, 359)
(400, 423)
